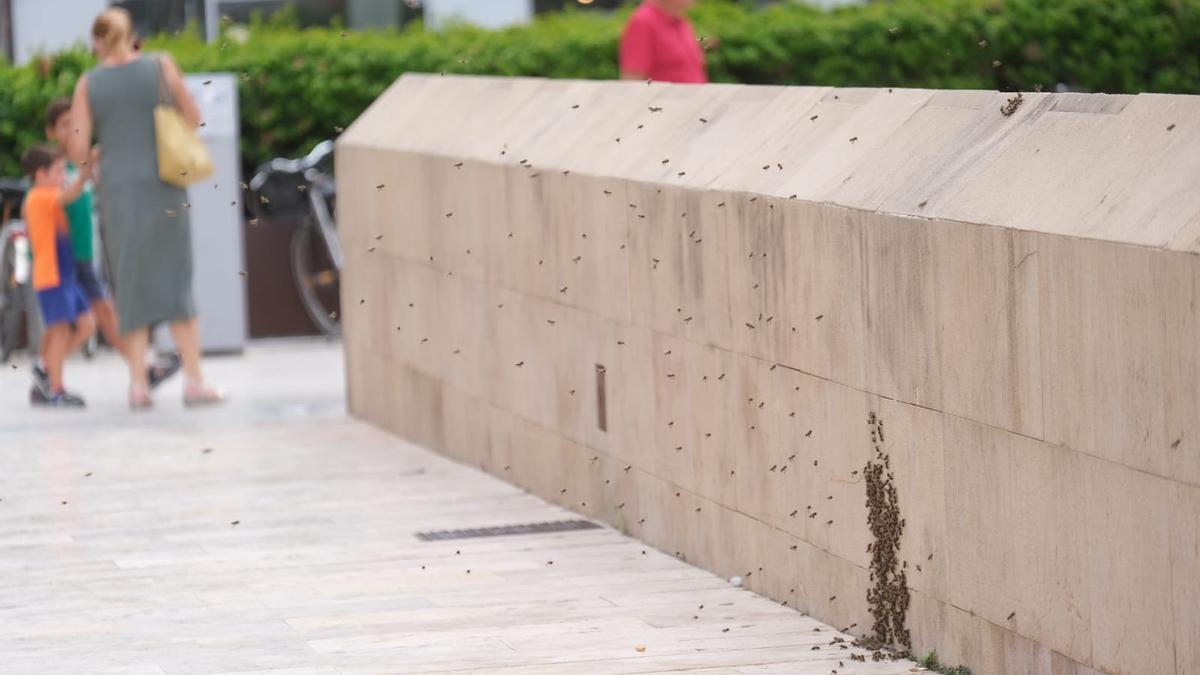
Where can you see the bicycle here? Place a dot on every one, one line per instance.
(16, 290)
(290, 188)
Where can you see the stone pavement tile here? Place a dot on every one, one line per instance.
(274, 536)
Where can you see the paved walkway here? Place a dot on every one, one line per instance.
(276, 535)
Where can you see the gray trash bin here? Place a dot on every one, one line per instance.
(216, 218)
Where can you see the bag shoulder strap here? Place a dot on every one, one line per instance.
(164, 91)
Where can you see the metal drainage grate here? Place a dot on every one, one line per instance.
(505, 530)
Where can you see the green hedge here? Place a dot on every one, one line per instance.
(300, 86)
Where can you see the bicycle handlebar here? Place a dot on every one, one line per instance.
(12, 194)
(13, 186)
(294, 166)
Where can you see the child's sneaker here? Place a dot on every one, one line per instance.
(60, 399)
(160, 372)
(40, 377)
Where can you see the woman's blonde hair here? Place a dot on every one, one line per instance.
(113, 28)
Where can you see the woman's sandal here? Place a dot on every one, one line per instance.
(199, 394)
(139, 398)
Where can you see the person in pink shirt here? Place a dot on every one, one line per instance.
(658, 44)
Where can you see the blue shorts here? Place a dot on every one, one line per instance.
(62, 304)
(89, 280)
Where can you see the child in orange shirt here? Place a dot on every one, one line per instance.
(64, 306)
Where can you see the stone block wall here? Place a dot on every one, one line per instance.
(674, 309)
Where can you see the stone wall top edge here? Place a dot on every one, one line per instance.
(1115, 168)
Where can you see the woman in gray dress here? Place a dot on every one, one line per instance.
(147, 237)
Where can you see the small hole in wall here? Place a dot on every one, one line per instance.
(601, 401)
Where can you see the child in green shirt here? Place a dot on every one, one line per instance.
(81, 219)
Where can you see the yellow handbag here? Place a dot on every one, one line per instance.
(182, 157)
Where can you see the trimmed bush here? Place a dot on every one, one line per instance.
(300, 86)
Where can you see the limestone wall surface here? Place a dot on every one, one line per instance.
(673, 309)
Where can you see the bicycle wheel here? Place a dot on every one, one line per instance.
(12, 303)
(91, 346)
(317, 280)
(12, 319)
